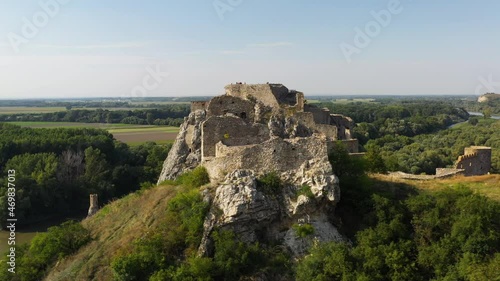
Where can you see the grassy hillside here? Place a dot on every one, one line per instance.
(116, 226)
(487, 185)
(113, 230)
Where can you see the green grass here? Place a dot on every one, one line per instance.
(131, 134)
(33, 109)
(28, 109)
(78, 125)
(160, 142)
(144, 129)
(487, 185)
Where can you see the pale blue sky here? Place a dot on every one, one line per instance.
(109, 48)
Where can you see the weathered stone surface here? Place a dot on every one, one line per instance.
(243, 208)
(324, 231)
(239, 206)
(186, 151)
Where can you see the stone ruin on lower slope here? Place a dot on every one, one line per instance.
(476, 161)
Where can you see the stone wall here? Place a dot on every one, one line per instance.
(475, 161)
(222, 105)
(280, 155)
(198, 105)
(344, 125)
(444, 172)
(351, 145)
(262, 92)
(321, 115)
(231, 131)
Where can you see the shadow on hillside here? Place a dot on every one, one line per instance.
(355, 211)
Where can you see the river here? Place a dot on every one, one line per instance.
(473, 113)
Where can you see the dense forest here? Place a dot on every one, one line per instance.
(56, 169)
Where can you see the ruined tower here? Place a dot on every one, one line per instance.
(93, 205)
(476, 161)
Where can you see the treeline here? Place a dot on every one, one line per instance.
(147, 102)
(425, 153)
(399, 233)
(394, 117)
(173, 115)
(57, 169)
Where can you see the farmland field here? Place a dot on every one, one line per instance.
(29, 109)
(34, 109)
(127, 133)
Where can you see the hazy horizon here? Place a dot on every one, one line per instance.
(195, 48)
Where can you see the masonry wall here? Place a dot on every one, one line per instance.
(198, 105)
(231, 131)
(321, 116)
(344, 125)
(276, 154)
(261, 92)
(476, 161)
(221, 105)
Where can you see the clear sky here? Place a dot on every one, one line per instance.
(125, 48)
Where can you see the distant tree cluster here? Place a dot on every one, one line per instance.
(425, 153)
(56, 169)
(399, 118)
(173, 115)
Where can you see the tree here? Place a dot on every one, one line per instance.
(473, 121)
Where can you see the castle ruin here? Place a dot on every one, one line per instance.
(264, 127)
(476, 161)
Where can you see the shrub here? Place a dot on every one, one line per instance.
(306, 191)
(46, 248)
(195, 178)
(303, 230)
(270, 184)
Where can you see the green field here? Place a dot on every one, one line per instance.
(33, 110)
(127, 133)
(342, 101)
(29, 109)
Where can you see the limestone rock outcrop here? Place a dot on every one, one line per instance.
(238, 205)
(185, 154)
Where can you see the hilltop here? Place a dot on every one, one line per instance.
(489, 97)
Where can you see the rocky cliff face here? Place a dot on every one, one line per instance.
(238, 205)
(185, 154)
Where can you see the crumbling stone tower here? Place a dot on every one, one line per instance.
(476, 161)
(93, 205)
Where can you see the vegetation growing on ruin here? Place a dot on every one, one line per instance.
(270, 184)
(303, 230)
